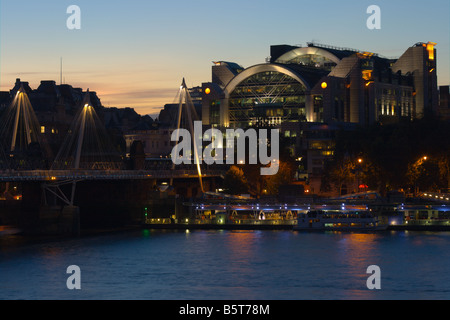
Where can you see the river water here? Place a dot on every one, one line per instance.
(224, 265)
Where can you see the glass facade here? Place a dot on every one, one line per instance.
(313, 60)
(267, 98)
(214, 112)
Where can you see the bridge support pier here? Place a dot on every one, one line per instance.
(70, 220)
(59, 220)
(42, 210)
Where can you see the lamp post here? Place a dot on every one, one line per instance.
(358, 169)
(417, 165)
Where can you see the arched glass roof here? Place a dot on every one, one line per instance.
(264, 68)
(311, 57)
(269, 94)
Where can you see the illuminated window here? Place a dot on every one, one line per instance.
(42, 129)
(327, 153)
(367, 74)
(430, 49)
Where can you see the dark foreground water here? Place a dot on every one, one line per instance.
(224, 265)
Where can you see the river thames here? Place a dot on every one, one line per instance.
(224, 265)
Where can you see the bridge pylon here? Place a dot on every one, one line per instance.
(23, 145)
(186, 104)
(87, 147)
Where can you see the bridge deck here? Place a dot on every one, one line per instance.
(59, 175)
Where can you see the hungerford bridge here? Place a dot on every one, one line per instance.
(87, 153)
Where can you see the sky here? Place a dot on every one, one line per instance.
(135, 53)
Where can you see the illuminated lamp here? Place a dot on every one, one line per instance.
(207, 90)
(324, 85)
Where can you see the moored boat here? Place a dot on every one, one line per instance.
(338, 219)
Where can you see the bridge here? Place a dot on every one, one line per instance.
(87, 153)
(91, 175)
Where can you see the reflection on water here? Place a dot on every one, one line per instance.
(278, 265)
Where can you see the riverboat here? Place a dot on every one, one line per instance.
(342, 219)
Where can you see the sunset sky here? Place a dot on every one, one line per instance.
(135, 53)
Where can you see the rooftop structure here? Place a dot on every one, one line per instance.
(320, 83)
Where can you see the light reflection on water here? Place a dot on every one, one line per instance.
(260, 265)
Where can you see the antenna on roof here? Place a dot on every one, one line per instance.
(61, 72)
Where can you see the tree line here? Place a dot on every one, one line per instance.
(410, 156)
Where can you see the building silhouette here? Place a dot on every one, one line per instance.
(56, 106)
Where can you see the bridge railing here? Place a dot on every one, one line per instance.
(57, 175)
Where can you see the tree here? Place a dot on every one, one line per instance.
(235, 181)
(390, 152)
(340, 173)
(285, 175)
